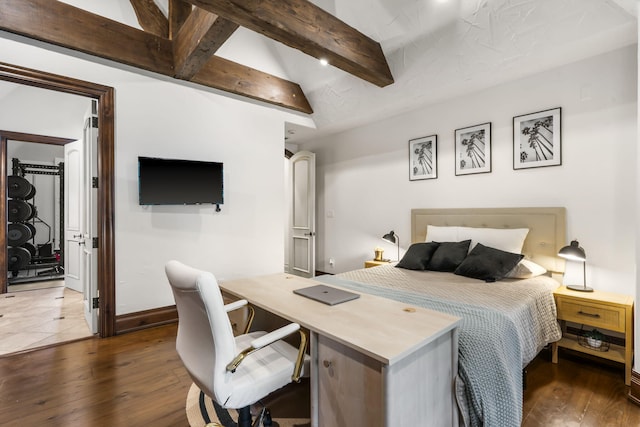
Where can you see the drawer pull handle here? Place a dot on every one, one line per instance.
(595, 316)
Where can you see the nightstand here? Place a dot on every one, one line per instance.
(372, 263)
(598, 309)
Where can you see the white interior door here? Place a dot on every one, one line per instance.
(74, 229)
(303, 215)
(90, 213)
(80, 218)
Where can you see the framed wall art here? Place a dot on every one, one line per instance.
(423, 158)
(473, 149)
(536, 139)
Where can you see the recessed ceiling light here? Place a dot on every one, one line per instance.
(324, 62)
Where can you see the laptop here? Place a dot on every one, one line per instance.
(326, 294)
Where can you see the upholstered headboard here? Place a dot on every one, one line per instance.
(547, 228)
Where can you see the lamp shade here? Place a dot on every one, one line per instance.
(390, 237)
(573, 252)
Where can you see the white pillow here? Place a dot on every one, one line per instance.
(505, 239)
(442, 234)
(526, 269)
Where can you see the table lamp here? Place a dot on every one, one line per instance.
(392, 237)
(574, 252)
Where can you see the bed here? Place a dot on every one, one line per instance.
(505, 322)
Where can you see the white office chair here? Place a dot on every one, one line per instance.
(235, 372)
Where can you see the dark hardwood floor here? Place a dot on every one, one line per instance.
(136, 379)
(133, 379)
(577, 392)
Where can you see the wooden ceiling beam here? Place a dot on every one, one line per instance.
(151, 18)
(68, 26)
(226, 75)
(304, 26)
(179, 11)
(199, 38)
(73, 28)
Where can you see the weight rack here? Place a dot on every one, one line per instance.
(20, 169)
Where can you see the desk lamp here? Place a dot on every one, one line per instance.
(392, 237)
(574, 252)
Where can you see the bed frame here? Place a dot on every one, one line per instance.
(547, 228)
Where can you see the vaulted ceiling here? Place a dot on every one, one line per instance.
(183, 43)
(385, 56)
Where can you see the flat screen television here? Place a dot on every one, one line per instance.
(179, 182)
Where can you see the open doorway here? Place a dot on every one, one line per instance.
(105, 258)
(41, 305)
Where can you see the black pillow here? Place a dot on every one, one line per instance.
(417, 256)
(488, 264)
(449, 255)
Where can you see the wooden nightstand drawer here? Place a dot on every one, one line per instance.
(612, 318)
(606, 311)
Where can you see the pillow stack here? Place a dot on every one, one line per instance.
(487, 254)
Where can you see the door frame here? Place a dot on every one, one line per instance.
(106, 172)
(5, 137)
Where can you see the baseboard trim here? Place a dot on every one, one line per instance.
(146, 319)
(634, 390)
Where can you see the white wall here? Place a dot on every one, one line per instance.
(42, 112)
(155, 116)
(363, 177)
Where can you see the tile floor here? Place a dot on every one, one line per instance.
(40, 317)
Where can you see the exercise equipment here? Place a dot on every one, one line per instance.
(23, 253)
(18, 187)
(31, 227)
(18, 234)
(19, 210)
(18, 257)
(31, 248)
(31, 194)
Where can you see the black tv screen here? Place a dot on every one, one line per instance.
(179, 182)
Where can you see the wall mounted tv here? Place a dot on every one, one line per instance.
(179, 182)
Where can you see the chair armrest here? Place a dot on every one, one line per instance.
(274, 336)
(235, 305)
(268, 339)
(239, 304)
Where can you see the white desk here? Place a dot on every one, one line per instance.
(374, 361)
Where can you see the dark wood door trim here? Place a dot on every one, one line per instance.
(106, 162)
(30, 137)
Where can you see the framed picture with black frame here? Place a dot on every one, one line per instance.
(473, 149)
(423, 158)
(536, 139)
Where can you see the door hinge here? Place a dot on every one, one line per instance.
(96, 302)
(94, 182)
(94, 122)
(94, 243)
